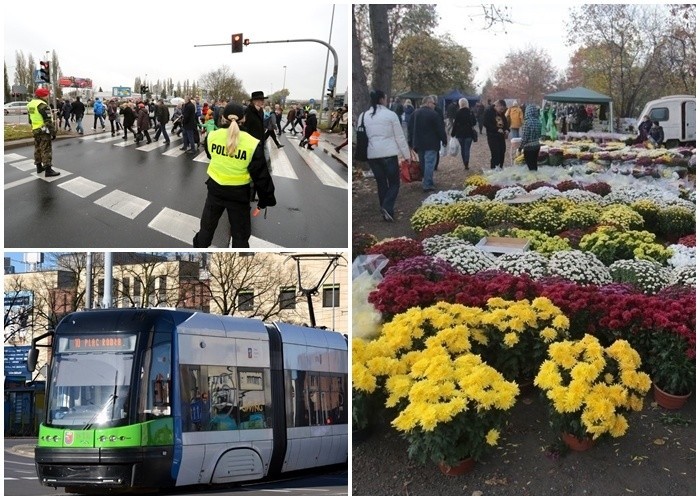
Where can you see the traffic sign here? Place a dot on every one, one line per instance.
(37, 76)
(312, 101)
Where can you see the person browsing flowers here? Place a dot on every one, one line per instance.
(386, 142)
(237, 158)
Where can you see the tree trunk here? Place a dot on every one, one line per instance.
(383, 52)
(360, 91)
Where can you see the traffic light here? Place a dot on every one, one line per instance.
(45, 72)
(144, 89)
(237, 42)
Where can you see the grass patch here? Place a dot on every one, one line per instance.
(22, 131)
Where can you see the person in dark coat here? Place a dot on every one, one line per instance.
(189, 125)
(310, 128)
(254, 115)
(426, 131)
(496, 125)
(479, 112)
(163, 117)
(129, 119)
(143, 123)
(462, 129)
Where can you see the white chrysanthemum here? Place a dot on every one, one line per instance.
(433, 245)
(531, 263)
(581, 267)
(682, 256)
(649, 276)
(467, 259)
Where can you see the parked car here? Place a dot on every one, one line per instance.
(676, 114)
(16, 108)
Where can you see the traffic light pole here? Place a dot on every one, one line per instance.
(330, 47)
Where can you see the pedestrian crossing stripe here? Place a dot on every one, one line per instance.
(324, 174)
(125, 204)
(281, 166)
(82, 187)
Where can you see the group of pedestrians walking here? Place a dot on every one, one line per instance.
(400, 130)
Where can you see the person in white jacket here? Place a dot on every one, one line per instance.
(386, 143)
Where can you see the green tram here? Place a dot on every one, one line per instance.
(156, 398)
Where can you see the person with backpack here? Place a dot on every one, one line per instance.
(99, 110)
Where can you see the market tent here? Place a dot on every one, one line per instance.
(456, 95)
(582, 95)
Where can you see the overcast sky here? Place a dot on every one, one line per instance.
(535, 24)
(114, 42)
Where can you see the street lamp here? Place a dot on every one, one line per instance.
(284, 80)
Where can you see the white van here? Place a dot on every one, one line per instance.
(676, 114)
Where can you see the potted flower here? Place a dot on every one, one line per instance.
(448, 403)
(590, 387)
(673, 369)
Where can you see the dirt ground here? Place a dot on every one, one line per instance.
(656, 457)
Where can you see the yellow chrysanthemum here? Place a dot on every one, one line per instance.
(492, 437)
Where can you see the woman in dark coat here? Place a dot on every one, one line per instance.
(129, 119)
(143, 122)
(462, 129)
(309, 128)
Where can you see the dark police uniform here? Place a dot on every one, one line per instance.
(229, 188)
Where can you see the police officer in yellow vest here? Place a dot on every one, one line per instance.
(44, 131)
(237, 158)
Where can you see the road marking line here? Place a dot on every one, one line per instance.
(13, 157)
(174, 152)
(81, 186)
(324, 173)
(125, 204)
(281, 166)
(11, 479)
(30, 477)
(178, 225)
(94, 135)
(150, 147)
(116, 138)
(10, 185)
(259, 243)
(129, 141)
(202, 157)
(24, 166)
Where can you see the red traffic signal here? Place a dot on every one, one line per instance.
(237, 42)
(44, 72)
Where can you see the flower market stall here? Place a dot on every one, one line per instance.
(595, 310)
(582, 95)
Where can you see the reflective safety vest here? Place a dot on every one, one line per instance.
(230, 170)
(34, 115)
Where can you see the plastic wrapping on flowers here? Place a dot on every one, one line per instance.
(366, 275)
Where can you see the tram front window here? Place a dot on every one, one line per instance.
(89, 387)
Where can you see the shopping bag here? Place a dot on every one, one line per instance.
(362, 139)
(410, 171)
(453, 147)
(315, 136)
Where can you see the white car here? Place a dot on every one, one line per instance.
(16, 108)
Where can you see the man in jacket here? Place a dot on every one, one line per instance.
(189, 125)
(162, 118)
(496, 125)
(515, 119)
(426, 131)
(43, 130)
(254, 115)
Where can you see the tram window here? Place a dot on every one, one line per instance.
(216, 398)
(297, 403)
(154, 400)
(255, 408)
(223, 398)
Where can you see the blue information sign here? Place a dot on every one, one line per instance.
(16, 362)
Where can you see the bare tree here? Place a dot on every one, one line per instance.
(527, 75)
(249, 285)
(222, 83)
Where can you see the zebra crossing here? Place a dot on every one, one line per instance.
(173, 223)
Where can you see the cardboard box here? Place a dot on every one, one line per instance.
(500, 245)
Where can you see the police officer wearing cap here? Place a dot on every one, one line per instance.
(237, 158)
(43, 130)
